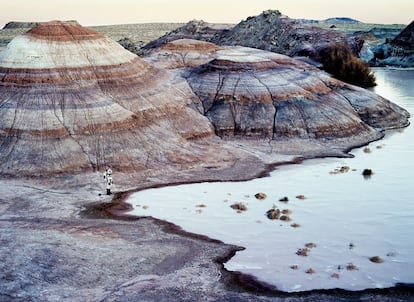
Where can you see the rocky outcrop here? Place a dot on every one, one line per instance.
(195, 30)
(181, 54)
(15, 24)
(129, 45)
(274, 32)
(72, 100)
(406, 38)
(398, 52)
(247, 92)
(269, 31)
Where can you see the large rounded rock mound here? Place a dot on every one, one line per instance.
(72, 100)
(247, 92)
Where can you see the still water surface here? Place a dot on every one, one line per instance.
(348, 218)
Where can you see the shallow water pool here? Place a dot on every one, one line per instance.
(347, 218)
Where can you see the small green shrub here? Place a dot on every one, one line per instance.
(340, 61)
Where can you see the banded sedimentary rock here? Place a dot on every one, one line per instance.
(399, 52)
(270, 31)
(181, 53)
(72, 100)
(247, 92)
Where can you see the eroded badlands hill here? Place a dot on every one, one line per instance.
(247, 92)
(73, 100)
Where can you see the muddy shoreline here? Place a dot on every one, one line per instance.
(118, 209)
(76, 244)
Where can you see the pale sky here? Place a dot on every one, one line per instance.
(100, 12)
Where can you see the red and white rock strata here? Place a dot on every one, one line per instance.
(73, 100)
(248, 92)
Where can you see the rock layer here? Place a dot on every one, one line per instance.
(399, 52)
(181, 54)
(247, 92)
(73, 100)
(270, 31)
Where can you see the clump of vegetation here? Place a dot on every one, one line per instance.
(295, 225)
(376, 259)
(273, 213)
(286, 212)
(284, 199)
(294, 267)
(304, 252)
(239, 206)
(260, 196)
(335, 275)
(301, 197)
(201, 206)
(367, 172)
(310, 271)
(340, 61)
(342, 170)
(351, 267)
(367, 150)
(310, 245)
(285, 218)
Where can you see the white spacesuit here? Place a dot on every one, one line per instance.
(108, 180)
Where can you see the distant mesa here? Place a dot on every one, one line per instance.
(72, 100)
(341, 20)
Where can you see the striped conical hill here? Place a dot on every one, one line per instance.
(72, 100)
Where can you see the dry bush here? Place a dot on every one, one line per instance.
(239, 206)
(304, 252)
(376, 259)
(273, 213)
(310, 245)
(351, 267)
(340, 61)
(284, 199)
(335, 275)
(260, 196)
(285, 218)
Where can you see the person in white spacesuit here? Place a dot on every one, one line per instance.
(108, 180)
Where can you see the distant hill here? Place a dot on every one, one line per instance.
(15, 24)
(341, 20)
(271, 31)
(397, 52)
(406, 38)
